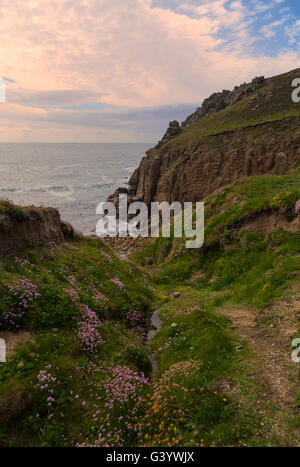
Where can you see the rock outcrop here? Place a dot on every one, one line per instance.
(190, 174)
(252, 130)
(27, 227)
(68, 230)
(172, 132)
(220, 100)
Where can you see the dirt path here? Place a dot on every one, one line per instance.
(269, 335)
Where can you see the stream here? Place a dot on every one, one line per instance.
(155, 327)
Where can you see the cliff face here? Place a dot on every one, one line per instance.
(27, 227)
(252, 130)
(191, 173)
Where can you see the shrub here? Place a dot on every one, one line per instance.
(285, 202)
(56, 308)
(17, 298)
(88, 331)
(19, 214)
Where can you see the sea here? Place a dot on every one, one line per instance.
(72, 177)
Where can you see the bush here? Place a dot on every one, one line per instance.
(55, 308)
(140, 359)
(17, 301)
(285, 202)
(19, 214)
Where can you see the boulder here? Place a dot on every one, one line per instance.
(68, 230)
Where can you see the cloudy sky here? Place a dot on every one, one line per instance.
(120, 70)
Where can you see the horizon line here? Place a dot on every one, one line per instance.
(76, 142)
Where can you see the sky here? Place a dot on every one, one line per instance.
(120, 70)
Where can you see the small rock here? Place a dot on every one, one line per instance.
(67, 230)
(175, 294)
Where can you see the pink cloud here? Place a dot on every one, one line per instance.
(125, 52)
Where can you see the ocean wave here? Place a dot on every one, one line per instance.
(60, 189)
(130, 169)
(100, 185)
(37, 190)
(89, 186)
(8, 190)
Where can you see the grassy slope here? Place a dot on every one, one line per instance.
(67, 277)
(188, 404)
(232, 255)
(247, 112)
(235, 268)
(197, 349)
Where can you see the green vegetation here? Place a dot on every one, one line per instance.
(248, 260)
(16, 212)
(189, 406)
(81, 315)
(76, 317)
(244, 251)
(272, 103)
(43, 297)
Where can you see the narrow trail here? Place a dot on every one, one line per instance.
(269, 335)
(273, 368)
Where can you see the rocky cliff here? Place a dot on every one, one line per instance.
(252, 130)
(27, 227)
(220, 100)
